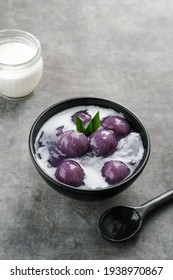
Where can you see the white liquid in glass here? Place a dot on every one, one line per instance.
(20, 73)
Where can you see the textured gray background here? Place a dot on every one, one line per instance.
(121, 50)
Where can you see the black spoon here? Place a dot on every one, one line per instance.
(122, 222)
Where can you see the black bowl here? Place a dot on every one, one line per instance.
(89, 194)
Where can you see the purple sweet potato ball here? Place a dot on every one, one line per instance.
(102, 142)
(83, 115)
(115, 171)
(70, 173)
(72, 143)
(119, 125)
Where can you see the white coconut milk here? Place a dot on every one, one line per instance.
(21, 67)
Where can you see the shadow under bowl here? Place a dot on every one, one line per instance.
(89, 194)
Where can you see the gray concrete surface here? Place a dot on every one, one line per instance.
(121, 50)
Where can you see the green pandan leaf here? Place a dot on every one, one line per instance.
(96, 122)
(93, 125)
(79, 125)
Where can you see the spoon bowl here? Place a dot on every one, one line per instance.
(120, 223)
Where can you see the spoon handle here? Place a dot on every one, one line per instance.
(147, 207)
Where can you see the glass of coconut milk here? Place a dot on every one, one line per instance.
(21, 63)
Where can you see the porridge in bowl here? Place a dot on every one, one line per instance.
(87, 154)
